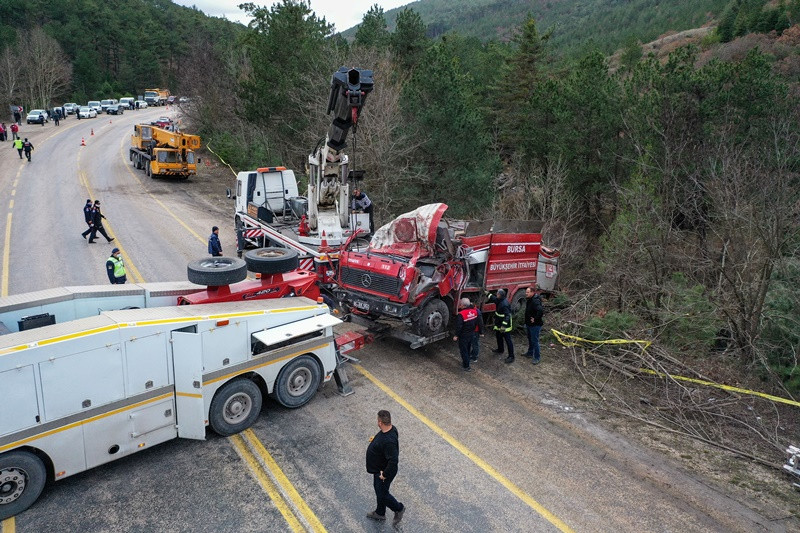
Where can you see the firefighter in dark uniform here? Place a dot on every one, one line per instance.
(88, 216)
(503, 324)
(466, 324)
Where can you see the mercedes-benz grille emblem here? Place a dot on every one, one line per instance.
(366, 280)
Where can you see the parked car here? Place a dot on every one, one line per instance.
(162, 122)
(95, 104)
(115, 109)
(37, 116)
(71, 108)
(141, 103)
(170, 100)
(183, 100)
(127, 102)
(87, 112)
(105, 103)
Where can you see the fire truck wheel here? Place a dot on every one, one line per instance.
(216, 271)
(298, 382)
(22, 478)
(271, 260)
(434, 318)
(518, 308)
(235, 407)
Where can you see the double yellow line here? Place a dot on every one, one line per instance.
(291, 505)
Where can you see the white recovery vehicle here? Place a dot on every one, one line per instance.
(92, 374)
(269, 209)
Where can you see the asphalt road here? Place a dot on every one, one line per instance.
(486, 451)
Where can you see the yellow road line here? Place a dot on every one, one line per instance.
(129, 266)
(486, 467)
(156, 200)
(284, 482)
(6, 255)
(267, 484)
(8, 525)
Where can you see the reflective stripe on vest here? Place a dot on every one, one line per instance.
(119, 268)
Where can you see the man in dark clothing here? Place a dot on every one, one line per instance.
(214, 246)
(57, 116)
(503, 324)
(88, 217)
(115, 268)
(466, 323)
(361, 202)
(27, 146)
(383, 454)
(97, 223)
(18, 117)
(534, 311)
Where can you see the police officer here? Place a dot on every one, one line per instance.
(88, 217)
(361, 202)
(28, 147)
(97, 223)
(466, 323)
(115, 268)
(503, 324)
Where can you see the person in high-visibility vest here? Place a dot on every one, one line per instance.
(115, 268)
(503, 324)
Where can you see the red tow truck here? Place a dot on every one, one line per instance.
(418, 266)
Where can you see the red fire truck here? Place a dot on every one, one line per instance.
(418, 266)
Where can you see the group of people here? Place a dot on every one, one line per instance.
(93, 217)
(14, 129)
(469, 327)
(23, 146)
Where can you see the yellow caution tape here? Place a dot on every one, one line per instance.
(576, 341)
(571, 340)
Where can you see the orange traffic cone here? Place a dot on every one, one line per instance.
(83, 142)
(323, 245)
(92, 131)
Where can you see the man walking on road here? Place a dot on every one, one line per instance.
(18, 146)
(383, 454)
(88, 217)
(115, 268)
(14, 131)
(534, 311)
(28, 147)
(214, 246)
(97, 224)
(466, 323)
(503, 324)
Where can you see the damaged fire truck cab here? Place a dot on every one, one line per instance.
(418, 266)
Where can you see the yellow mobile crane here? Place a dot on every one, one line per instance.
(161, 152)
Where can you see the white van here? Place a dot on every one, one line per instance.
(95, 104)
(127, 102)
(105, 103)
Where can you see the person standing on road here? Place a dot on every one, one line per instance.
(480, 331)
(361, 202)
(3, 132)
(534, 311)
(115, 268)
(18, 116)
(88, 217)
(466, 323)
(18, 146)
(27, 146)
(97, 223)
(14, 131)
(503, 324)
(214, 246)
(383, 455)
(56, 116)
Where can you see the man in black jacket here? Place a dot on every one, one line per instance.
(88, 215)
(97, 224)
(383, 454)
(534, 313)
(466, 329)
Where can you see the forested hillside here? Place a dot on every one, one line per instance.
(669, 182)
(98, 49)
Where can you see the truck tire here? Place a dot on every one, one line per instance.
(235, 407)
(298, 382)
(217, 271)
(518, 304)
(434, 318)
(271, 260)
(22, 478)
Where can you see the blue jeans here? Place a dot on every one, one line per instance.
(533, 341)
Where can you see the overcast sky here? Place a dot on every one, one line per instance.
(343, 14)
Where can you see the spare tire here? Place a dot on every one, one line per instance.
(271, 260)
(216, 271)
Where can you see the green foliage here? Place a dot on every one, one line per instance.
(372, 31)
(745, 16)
(688, 316)
(612, 325)
(408, 42)
(780, 337)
